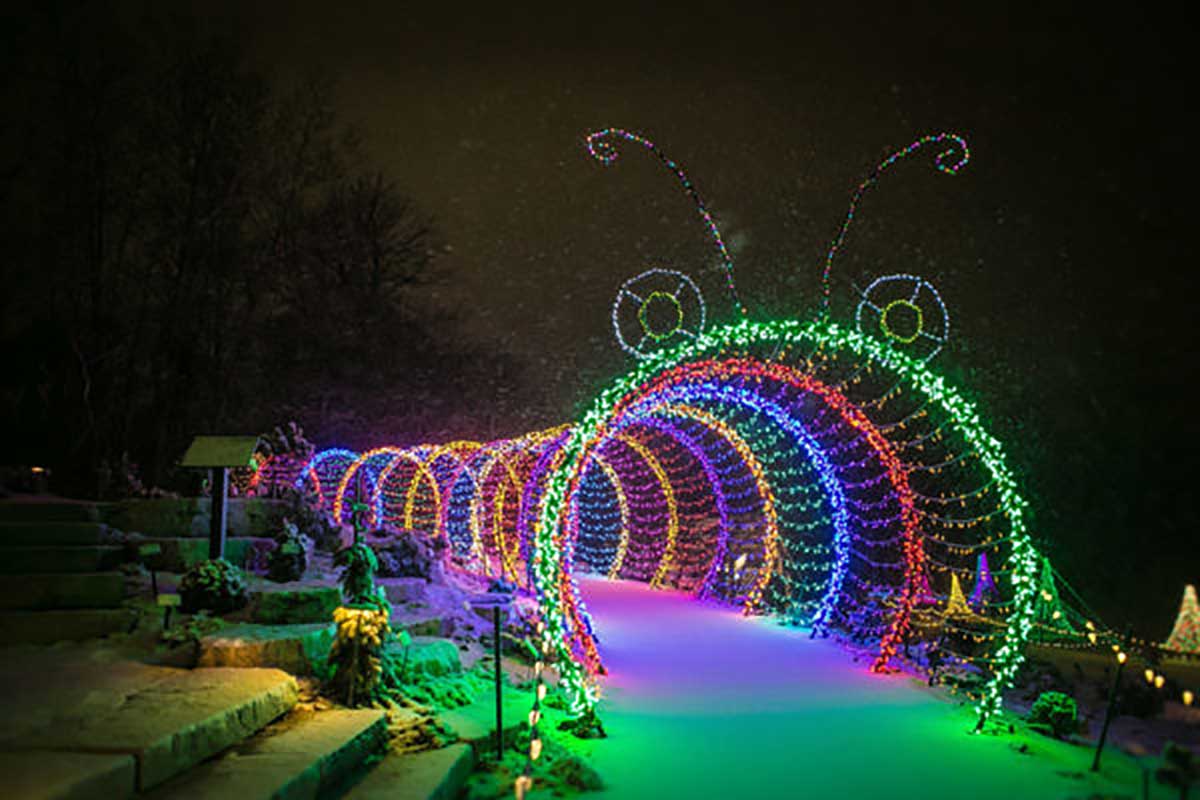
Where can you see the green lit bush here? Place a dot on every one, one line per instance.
(215, 586)
(1054, 714)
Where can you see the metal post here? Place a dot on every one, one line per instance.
(1112, 702)
(216, 531)
(499, 674)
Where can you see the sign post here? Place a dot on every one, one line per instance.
(218, 454)
(498, 602)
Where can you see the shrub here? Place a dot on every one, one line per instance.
(1054, 714)
(287, 561)
(356, 657)
(1179, 769)
(358, 565)
(215, 586)
(301, 508)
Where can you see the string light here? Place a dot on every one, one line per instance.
(604, 152)
(949, 161)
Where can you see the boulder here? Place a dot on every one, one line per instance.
(298, 649)
(288, 606)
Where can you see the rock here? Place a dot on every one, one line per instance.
(304, 755)
(432, 775)
(405, 554)
(46, 774)
(189, 516)
(298, 649)
(42, 627)
(178, 554)
(405, 590)
(428, 656)
(294, 605)
(171, 724)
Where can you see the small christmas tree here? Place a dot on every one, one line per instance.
(956, 604)
(925, 595)
(985, 590)
(1185, 636)
(1048, 609)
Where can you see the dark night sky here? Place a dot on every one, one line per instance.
(1060, 249)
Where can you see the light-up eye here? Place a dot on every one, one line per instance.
(656, 309)
(906, 310)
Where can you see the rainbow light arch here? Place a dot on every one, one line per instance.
(863, 459)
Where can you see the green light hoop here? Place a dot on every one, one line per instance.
(1024, 558)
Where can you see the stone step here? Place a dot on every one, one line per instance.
(427, 655)
(52, 534)
(88, 558)
(170, 724)
(189, 516)
(49, 511)
(430, 775)
(303, 756)
(47, 775)
(178, 554)
(298, 649)
(62, 590)
(44, 627)
(290, 604)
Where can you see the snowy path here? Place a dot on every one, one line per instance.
(701, 702)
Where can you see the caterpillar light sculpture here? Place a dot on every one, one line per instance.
(814, 469)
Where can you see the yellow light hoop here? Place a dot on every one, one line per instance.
(501, 455)
(408, 457)
(771, 554)
(339, 497)
(664, 483)
(451, 448)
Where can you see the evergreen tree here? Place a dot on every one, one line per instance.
(1185, 636)
(956, 604)
(985, 590)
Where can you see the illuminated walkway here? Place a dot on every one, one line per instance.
(702, 702)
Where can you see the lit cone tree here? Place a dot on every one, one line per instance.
(1185, 636)
(985, 586)
(1048, 610)
(956, 604)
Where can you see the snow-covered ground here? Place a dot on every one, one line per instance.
(702, 702)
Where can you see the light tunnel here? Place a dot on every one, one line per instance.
(793, 469)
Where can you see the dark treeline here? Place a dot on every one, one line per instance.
(189, 248)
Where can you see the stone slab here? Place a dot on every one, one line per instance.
(178, 554)
(87, 558)
(66, 511)
(49, 775)
(428, 655)
(174, 722)
(62, 590)
(300, 758)
(432, 624)
(43, 627)
(294, 605)
(429, 775)
(47, 534)
(298, 649)
(189, 516)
